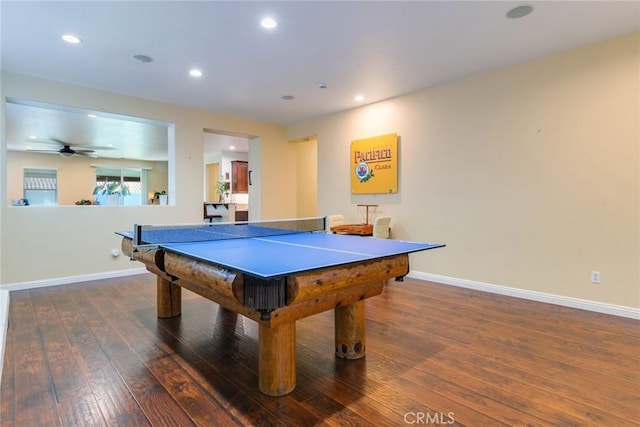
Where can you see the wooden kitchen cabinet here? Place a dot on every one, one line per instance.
(239, 177)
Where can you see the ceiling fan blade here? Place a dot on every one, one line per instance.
(85, 154)
(43, 151)
(69, 146)
(88, 146)
(84, 151)
(59, 141)
(96, 147)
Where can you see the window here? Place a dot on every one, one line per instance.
(134, 180)
(41, 186)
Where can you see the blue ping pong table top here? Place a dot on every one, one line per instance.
(281, 255)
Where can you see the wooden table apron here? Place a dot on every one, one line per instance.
(343, 288)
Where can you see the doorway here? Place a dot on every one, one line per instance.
(306, 177)
(221, 151)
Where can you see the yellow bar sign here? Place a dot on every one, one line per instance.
(374, 165)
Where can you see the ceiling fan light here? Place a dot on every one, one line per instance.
(65, 154)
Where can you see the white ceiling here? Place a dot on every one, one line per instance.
(380, 49)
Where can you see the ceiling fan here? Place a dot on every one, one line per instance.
(68, 149)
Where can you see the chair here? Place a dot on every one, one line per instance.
(381, 227)
(333, 220)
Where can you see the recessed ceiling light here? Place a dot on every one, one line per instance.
(142, 58)
(232, 147)
(519, 12)
(70, 38)
(33, 137)
(359, 98)
(93, 116)
(268, 23)
(195, 73)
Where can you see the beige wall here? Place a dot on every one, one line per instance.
(40, 243)
(76, 177)
(529, 174)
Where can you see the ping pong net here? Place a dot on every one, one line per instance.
(154, 235)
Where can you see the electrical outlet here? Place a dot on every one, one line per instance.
(595, 277)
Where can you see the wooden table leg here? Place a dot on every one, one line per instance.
(277, 359)
(350, 331)
(169, 299)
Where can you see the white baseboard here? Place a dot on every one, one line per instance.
(599, 307)
(71, 279)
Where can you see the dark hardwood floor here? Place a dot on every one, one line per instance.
(94, 353)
